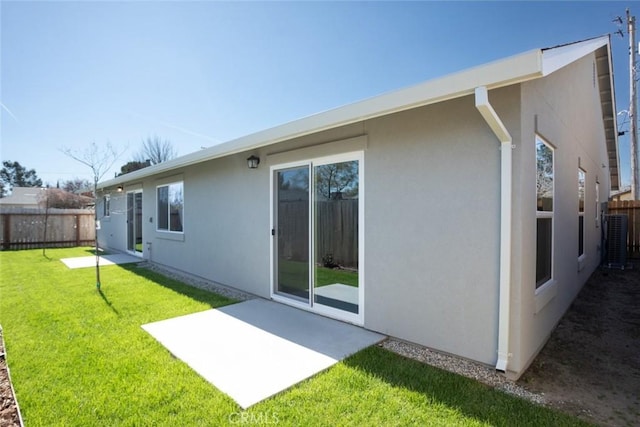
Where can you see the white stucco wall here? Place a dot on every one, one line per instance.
(564, 108)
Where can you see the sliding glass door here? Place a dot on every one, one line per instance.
(292, 206)
(317, 235)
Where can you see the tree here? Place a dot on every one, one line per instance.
(76, 185)
(156, 150)
(133, 165)
(544, 174)
(99, 158)
(58, 198)
(337, 180)
(13, 174)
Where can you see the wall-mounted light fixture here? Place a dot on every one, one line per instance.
(120, 188)
(253, 162)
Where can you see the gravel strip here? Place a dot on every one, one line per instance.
(462, 367)
(197, 282)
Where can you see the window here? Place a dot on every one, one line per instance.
(544, 212)
(597, 203)
(170, 207)
(106, 208)
(581, 190)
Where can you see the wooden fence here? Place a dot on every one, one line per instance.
(336, 231)
(24, 229)
(631, 208)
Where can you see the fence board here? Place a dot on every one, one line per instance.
(336, 231)
(631, 208)
(25, 229)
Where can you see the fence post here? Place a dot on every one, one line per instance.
(6, 243)
(77, 230)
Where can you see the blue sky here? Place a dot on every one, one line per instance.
(201, 73)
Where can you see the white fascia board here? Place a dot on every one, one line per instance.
(617, 184)
(558, 57)
(515, 69)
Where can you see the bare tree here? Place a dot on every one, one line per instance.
(43, 199)
(76, 185)
(100, 159)
(156, 150)
(337, 180)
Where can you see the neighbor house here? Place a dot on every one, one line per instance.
(22, 198)
(462, 213)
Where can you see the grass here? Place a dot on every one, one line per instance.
(295, 274)
(79, 357)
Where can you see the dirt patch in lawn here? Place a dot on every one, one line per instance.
(590, 366)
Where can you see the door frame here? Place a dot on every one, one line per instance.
(133, 193)
(354, 318)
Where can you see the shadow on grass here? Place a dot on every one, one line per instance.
(109, 303)
(469, 397)
(207, 297)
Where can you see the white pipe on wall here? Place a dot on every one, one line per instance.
(504, 308)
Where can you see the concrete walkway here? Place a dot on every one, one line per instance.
(257, 348)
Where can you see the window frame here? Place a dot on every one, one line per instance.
(597, 203)
(168, 213)
(106, 206)
(545, 214)
(582, 202)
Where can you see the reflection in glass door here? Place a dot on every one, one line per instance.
(335, 278)
(134, 222)
(292, 251)
(317, 235)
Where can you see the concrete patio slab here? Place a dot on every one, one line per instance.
(90, 261)
(255, 349)
(339, 292)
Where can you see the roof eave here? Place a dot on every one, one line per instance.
(505, 72)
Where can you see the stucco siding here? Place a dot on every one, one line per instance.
(432, 221)
(564, 108)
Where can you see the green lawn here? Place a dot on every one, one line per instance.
(78, 357)
(295, 275)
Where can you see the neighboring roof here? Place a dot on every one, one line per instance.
(27, 196)
(520, 68)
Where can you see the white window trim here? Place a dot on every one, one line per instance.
(583, 255)
(106, 206)
(597, 203)
(542, 290)
(160, 230)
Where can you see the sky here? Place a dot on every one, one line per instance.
(202, 73)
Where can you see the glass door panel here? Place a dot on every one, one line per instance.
(336, 197)
(130, 232)
(292, 231)
(138, 222)
(134, 222)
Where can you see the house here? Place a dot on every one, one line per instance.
(22, 197)
(622, 195)
(528, 143)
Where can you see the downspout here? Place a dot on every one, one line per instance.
(501, 132)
